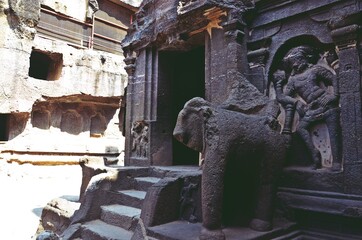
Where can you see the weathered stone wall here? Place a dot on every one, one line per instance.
(81, 71)
(17, 33)
(304, 54)
(75, 9)
(84, 71)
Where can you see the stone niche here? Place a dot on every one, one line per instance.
(203, 48)
(45, 65)
(75, 114)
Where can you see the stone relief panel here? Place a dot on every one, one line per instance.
(188, 206)
(140, 139)
(98, 125)
(73, 117)
(306, 87)
(72, 122)
(40, 118)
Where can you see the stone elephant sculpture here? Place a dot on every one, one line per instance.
(219, 134)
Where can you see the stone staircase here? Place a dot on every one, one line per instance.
(115, 197)
(118, 219)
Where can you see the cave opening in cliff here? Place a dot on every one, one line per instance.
(45, 65)
(4, 127)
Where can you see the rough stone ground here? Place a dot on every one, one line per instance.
(26, 189)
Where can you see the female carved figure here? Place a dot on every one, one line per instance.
(304, 78)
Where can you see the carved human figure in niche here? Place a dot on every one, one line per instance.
(303, 86)
(140, 138)
(186, 200)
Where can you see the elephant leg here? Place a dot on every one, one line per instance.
(270, 169)
(262, 220)
(212, 190)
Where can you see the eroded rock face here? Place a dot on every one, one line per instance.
(47, 235)
(75, 9)
(18, 20)
(23, 16)
(158, 21)
(57, 213)
(37, 68)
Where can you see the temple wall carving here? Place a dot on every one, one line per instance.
(306, 58)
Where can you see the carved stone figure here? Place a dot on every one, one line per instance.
(186, 200)
(140, 138)
(303, 86)
(222, 135)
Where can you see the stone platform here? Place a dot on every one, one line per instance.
(183, 230)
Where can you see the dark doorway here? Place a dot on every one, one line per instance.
(45, 65)
(4, 127)
(188, 81)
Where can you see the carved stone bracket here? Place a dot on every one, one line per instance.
(130, 69)
(235, 35)
(130, 61)
(345, 39)
(234, 27)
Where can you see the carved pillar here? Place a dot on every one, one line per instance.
(349, 84)
(130, 68)
(257, 59)
(225, 58)
(144, 123)
(215, 59)
(236, 61)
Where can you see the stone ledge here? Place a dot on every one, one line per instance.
(346, 205)
(183, 230)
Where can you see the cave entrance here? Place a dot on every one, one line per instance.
(45, 65)
(4, 127)
(185, 72)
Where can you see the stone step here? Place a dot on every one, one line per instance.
(121, 216)
(131, 197)
(143, 183)
(156, 172)
(99, 230)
